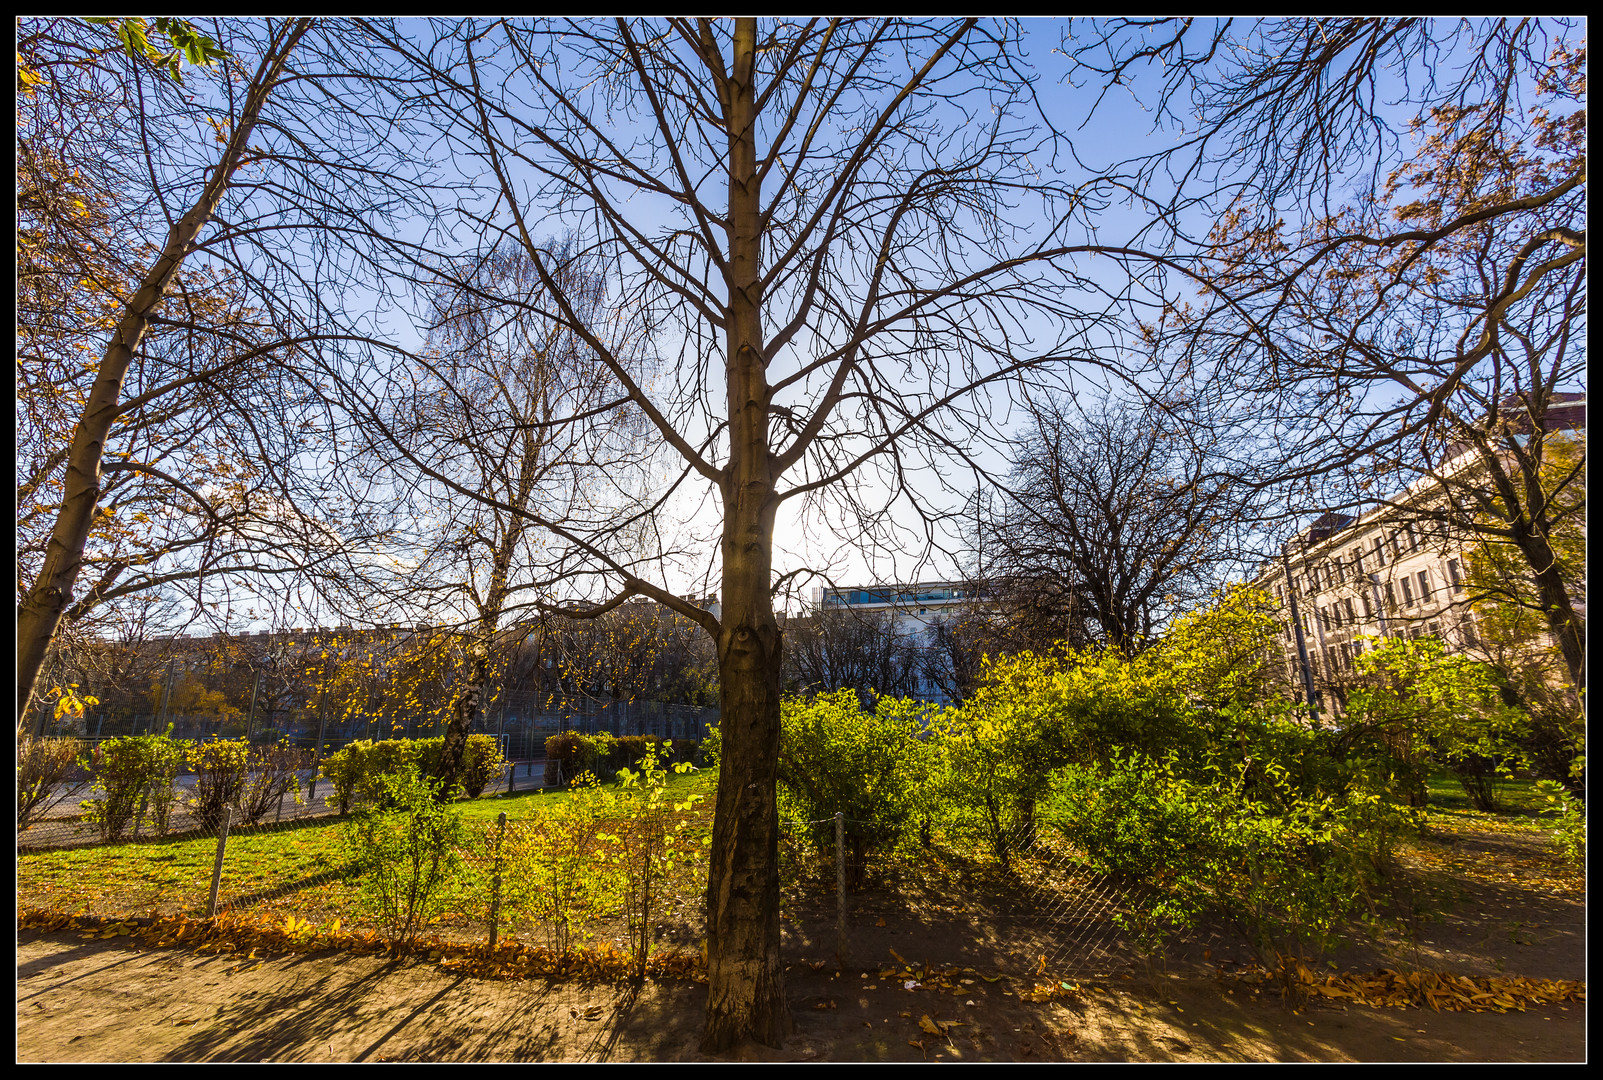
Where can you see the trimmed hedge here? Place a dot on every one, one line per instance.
(356, 771)
(571, 752)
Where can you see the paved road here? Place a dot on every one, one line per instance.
(58, 825)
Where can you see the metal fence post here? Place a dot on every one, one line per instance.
(512, 775)
(317, 751)
(140, 816)
(495, 886)
(217, 867)
(840, 890)
(250, 717)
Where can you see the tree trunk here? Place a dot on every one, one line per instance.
(1563, 623)
(465, 713)
(39, 613)
(745, 980)
(745, 984)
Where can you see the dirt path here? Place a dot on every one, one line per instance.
(86, 999)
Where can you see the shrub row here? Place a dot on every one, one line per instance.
(135, 775)
(571, 754)
(360, 771)
(1182, 768)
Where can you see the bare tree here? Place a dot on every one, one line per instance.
(1126, 515)
(535, 425)
(1009, 615)
(857, 650)
(840, 234)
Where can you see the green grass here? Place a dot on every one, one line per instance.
(1519, 803)
(295, 866)
(525, 803)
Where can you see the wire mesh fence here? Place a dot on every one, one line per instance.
(1013, 899)
(588, 868)
(570, 870)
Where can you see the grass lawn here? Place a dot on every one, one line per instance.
(1520, 805)
(298, 867)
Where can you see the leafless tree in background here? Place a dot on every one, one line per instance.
(1123, 516)
(856, 650)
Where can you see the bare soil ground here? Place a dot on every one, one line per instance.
(95, 1000)
(1511, 910)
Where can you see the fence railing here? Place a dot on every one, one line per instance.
(538, 872)
(525, 723)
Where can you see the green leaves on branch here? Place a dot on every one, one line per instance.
(187, 43)
(869, 766)
(1421, 702)
(133, 773)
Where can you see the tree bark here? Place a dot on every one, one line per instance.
(1563, 623)
(39, 614)
(745, 979)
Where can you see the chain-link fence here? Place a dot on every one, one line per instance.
(1011, 898)
(564, 870)
(591, 868)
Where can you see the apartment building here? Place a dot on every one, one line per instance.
(1377, 575)
(910, 610)
(1381, 574)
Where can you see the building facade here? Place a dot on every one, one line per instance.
(1385, 573)
(910, 612)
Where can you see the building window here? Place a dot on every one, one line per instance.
(1391, 597)
(1358, 562)
(1380, 552)
(1369, 609)
(1396, 546)
(1424, 586)
(1452, 574)
(1469, 630)
(1408, 592)
(1352, 616)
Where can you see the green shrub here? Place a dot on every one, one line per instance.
(1416, 702)
(482, 763)
(712, 746)
(555, 876)
(343, 770)
(45, 769)
(650, 846)
(403, 845)
(570, 754)
(1289, 870)
(220, 769)
(1569, 826)
(357, 772)
(128, 771)
(870, 767)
